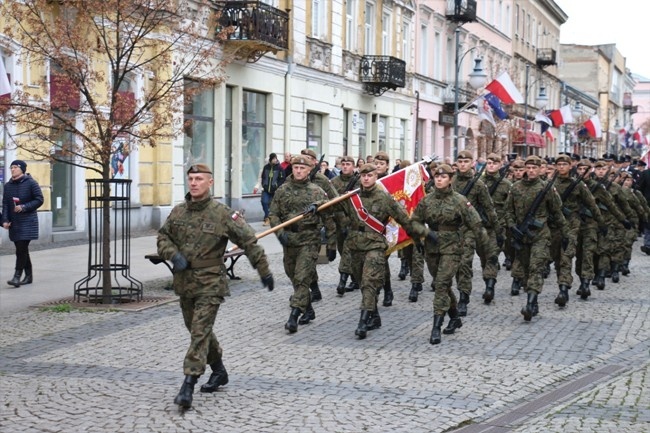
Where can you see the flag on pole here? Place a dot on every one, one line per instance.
(5, 86)
(593, 127)
(504, 89)
(542, 118)
(561, 116)
(485, 111)
(407, 188)
(546, 131)
(495, 104)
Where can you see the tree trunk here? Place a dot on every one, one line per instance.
(107, 289)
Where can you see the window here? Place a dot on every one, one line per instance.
(382, 127)
(386, 33)
(451, 59)
(402, 139)
(363, 135)
(319, 19)
(424, 50)
(350, 25)
(198, 125)
(516, 20)
(369, 29)
(406, 41)
(253, 139)
(437, 56)
(315, 132)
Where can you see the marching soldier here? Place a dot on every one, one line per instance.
(498, 187)
(381, 160)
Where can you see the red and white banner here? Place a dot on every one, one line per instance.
(407, 188)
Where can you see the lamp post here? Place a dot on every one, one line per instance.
(477, 79)
(540, 102)
(576, 111)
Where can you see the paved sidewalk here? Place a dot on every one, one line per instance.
(580, 369)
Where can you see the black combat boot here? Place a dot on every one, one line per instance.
(219, 377)
(343, 280)
(463, 300)
(308, 316)
(535, 307)
(454, 322)
(508, 264)
(516, 287)
(388, 294)
(403, 270)
(584, 290)
(563, 297)
(415, 289)
(184, 397)
(354, 285)
(362, 328)
(615, 276)
(315, 292)
(625, 268)
(15, 281)
(489, 290)
(292, 323)
(374, 321)
(600, 280)
(29, 278)
(529, 310)
(435, 331)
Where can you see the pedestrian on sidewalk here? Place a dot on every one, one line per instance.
(22, 197)
(194, 238)
(272, 178)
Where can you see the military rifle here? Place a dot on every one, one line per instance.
(567, 192)
(355, 178)
(471, 183)
(495, 185)
(316, 169)
(523, 229)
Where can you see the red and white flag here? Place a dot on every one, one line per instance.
(504, 89)
(593, 127)
(407, 188)
(561, 116)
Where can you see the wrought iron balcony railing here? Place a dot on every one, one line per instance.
(461, 11)
(380, 73)
(546, 57)
(255, 27)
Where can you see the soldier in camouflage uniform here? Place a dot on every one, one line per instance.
(479, 197)
(498, 187)
(627, 181)
(381, 160)
(534, 240)
(578, 198)
(517, 272)
(301, 240)
(347, 181)
(324, 183)
(194, 238)
(369, 213)
(445, 212)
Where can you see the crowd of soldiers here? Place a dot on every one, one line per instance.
(580, 215)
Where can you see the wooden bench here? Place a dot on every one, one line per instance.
(229, 258)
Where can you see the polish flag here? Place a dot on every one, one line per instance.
(561, 116)
(505, 89)
(593, 127)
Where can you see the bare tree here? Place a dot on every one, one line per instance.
(106, 70)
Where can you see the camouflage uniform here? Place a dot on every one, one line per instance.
(613, 251)
(340, 183)
(632, 234)
(200, 230)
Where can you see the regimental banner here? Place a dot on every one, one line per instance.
(407, 188)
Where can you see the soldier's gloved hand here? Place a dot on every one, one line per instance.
(627, 224)
(419, 246)
(180, 263)
(268, 282)
(311, 209)
(565, 244)
(433, 237)
(500, 240)
(603, 230)
(344, 233)
(331, 254)
(283, 238)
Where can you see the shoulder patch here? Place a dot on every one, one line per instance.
(469, 204)
(235, 216)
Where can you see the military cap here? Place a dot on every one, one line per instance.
(367, 168)
(551, 160)
(517, 163)
(608, 156)
(575, 157)
(625, 174)
(432, 166)
(600, 163)
(302, 160)
(563, 158)
(465, 154)
(533, 159)
(512, 156)
(199, 168)
(641, 163)
(494, 157)
(443, 169)
(347, 159)
(308, 152)
(584, 163)
(382, 156)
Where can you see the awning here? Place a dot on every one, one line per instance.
(533, 139)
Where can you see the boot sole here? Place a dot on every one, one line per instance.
(528, 315)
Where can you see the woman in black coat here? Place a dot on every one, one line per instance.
(22, 197)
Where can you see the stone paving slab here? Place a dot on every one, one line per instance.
(119, 372)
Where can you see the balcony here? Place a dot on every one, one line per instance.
(253, 28)
(546, 57)
(466, 94)
(380, 73)
(461, 11)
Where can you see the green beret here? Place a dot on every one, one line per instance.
(534, 160)
(367, 168)
(347, 159)
(563, 158)
(382, 156)
(494, 157)
(465, 154)
(199, 168)
(301, 160)
(309, 152)
(443, 169)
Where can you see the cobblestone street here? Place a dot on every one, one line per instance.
(584, 368)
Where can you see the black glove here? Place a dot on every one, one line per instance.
(565, 244)
(283, 238)
(331, 254)
(433, 237)
(420, 247)
(603, 230)
(500, 240)
(311, 209)
(627, 224)
(268, 282)
(180, 263)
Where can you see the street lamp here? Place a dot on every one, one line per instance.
(477, 79)
(540, 102)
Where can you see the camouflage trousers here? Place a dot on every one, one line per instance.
(300, 267)
(344, 252)
(442, 268)
(489, 267)
(611, 247)
(630, 238)
(533, 258)
(564, 259)
(199, 314)
(415, 259)
(586, 249)
(369, 270)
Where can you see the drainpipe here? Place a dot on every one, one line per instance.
(287, 104)
(417, 126)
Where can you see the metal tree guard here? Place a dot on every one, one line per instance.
(124, 288)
